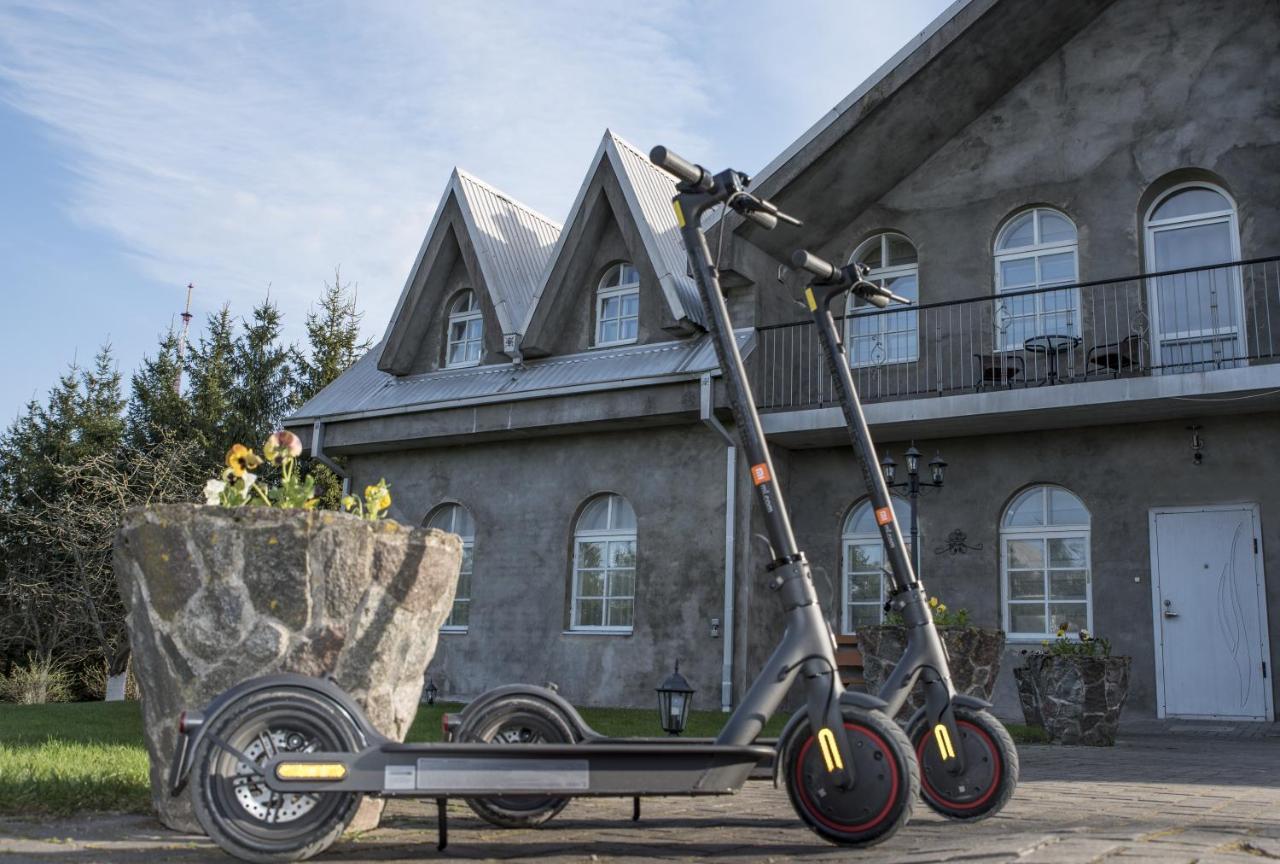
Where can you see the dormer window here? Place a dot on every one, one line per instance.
(618, 306)
(466, 331)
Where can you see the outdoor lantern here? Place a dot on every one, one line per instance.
(913, 460)
(674, 696)
(889, 467)
(431, 691)
(937, 463)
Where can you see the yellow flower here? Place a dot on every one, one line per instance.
(311, 504)
(933, 601)
(942, 607)
(378, 496)
(241, 459)
(282, 445)
(349, 502)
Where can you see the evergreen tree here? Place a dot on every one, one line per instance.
(100, 424)
(333, 336)
(211, 371)
(157, 410)
(264, 371)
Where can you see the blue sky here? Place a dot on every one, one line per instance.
(253, 147)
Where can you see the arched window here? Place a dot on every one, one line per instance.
(456, 519)
(466, 331)
(1044, 560)
(1196, 316)
(1036, 249)
(878, 337)
(618, 306)
(604, 565)
(863, 581)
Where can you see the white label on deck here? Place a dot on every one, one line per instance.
(398, 778)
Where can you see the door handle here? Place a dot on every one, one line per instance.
(1168, 610)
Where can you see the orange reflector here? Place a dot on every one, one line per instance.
(311, 770)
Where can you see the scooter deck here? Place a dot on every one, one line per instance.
(599, 767)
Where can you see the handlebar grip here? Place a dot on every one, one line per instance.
(687, 171)
(802, 259)
(767, 221)
(877, 300)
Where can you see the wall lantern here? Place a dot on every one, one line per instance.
(674, 696)
(938, 464)
(889, 467)
(431, 691)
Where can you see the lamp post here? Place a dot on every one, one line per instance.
(674, 696)
(431, 691)
(913, 483)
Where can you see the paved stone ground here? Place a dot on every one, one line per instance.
(1172, 794)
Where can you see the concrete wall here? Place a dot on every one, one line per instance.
(1119, 472)
(524, 496)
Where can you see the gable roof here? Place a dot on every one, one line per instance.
(648, 191)
(512, 244)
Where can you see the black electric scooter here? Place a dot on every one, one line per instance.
(278, 764)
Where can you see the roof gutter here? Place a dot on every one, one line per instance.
(318, 454)
(707, 415)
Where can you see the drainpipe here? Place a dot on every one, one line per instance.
(317, 453)
(708, 417)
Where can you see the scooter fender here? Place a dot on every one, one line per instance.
(533, 691)
(960, 699)
(849, 697)
(196, 722)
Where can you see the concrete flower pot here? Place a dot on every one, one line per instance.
(974, 654)
(1078, 700)
(216, 596)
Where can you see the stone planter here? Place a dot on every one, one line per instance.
(1078, 700)
(217, 596)
(974, 654)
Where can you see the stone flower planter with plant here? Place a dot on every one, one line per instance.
(973, 652)
(1075, 689)
(258, 581)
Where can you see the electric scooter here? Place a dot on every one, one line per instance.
(278, 765)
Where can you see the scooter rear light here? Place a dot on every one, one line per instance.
(182, 722)
(189, 721)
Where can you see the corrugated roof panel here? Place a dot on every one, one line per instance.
(653, 189)
(514, 244)
(364, 388)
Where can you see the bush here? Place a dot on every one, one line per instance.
(94, 682)
(41, 681)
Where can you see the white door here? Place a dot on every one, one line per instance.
(1210, 613)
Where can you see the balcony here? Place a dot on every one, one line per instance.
(1200, 319)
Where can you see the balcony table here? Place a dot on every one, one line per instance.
(1051, 345)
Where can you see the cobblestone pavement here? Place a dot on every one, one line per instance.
(1169, 798)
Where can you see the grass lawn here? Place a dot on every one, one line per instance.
(57, 760)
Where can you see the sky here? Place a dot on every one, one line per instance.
(252, 148)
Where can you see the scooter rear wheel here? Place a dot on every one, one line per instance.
(991, 767)
(885, 788)
(230, 797)
(517, 719)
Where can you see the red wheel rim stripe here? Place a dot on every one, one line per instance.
(893, 789)
(996, 760)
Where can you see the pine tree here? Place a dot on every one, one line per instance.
(100, 424)
(264, 371)
(333, 336)
(211, 371)
(157, 410)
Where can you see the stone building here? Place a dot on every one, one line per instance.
(1083, 197)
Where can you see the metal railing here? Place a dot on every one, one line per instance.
(1176, 321)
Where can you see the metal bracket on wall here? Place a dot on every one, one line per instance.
(956, 544)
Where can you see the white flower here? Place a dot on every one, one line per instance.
(213, 491)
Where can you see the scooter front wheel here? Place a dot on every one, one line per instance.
(885, 787)
(990, 767)
(230, 797)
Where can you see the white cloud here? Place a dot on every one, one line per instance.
(239, 144)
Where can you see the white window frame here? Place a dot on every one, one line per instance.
(606, 536)
(901, 513)
(1152, 227)
(1036, 251)
(621, 292)
(468, 563)
(465, 317)
(1044, 533)
(883, 319)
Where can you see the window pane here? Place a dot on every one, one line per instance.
(1021, 232)
(1027, 510)
(871, 255)
(595, 516)
(620, 613)
(623, 517)
(1068, 584)
(622, 553)
(1018, 273)
(1057, 268)
(1055, 228)
(1026, 617)
(457, 331)
(464, 586)
(864, 586)
(627, 329)
(900, 251)
(461, 614)
(864, 615)
(1072, 614)
(590, 554)
(1191, 202)
(630, 304)
(590, 613)
(591, 583)
(1066, 509)
(1025, 554)
(1069, 552)
(865, 557)
(1028, 585)
(609, 331)
(628, 275)
(622, 583)
(609, 306)
(442, 518)
(1192, 246)
(467, 561)
(907, 286)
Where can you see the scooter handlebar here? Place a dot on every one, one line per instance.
(802, 259)
(687, 171)
(767, 221)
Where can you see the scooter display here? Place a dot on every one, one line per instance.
(278, 765)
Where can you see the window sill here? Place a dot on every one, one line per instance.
(448, 629)
(467, 365)
(615, 344)
(598, 631)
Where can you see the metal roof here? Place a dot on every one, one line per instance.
(365, 390)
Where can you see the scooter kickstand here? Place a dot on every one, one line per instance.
(442, 823)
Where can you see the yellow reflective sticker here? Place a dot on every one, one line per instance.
(311, 770)
(830, 751)
(675, 205)
(808, 296)
(944, 742)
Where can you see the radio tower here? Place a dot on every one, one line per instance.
(182, 340)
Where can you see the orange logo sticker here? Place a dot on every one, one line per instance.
(884, 515)
(760, 473)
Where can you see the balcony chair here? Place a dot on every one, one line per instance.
(999, 369)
